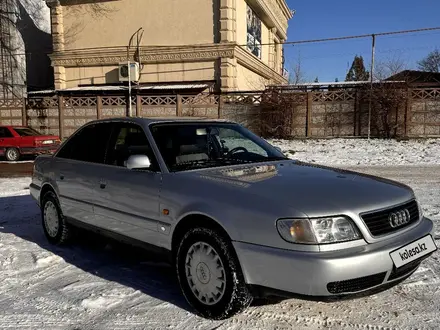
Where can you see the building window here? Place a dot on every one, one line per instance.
(253, 32)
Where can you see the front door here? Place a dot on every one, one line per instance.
(78, 165)
(128, 200)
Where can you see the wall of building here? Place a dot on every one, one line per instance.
(248, 80)
(268, 55)
(151, 73)
(165, 22)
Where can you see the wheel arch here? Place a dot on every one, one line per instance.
(194, 220)
(46, 188)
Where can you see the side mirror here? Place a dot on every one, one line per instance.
(138, 162)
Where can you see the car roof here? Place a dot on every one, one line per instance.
(148, 121)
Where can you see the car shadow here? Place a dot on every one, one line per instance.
(110, 260)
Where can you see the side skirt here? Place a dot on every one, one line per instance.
(165, 254)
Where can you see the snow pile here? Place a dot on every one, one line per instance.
(19, 187)
(83, 286)
(349, 152)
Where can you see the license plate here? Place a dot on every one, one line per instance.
(413, 251)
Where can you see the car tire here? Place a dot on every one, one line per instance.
(12, 154)
(55, 228)
(210, 275)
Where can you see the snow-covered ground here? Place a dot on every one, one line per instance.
(90, 285)
(350, 152)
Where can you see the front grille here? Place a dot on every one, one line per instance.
(404, 270)
(378, 222)
(356, 284)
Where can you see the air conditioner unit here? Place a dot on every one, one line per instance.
(134, 71)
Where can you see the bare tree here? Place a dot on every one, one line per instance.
(388, 101)
(431, 63)
(389, 67)
(298, 76)
(12, 52)
(15, 17)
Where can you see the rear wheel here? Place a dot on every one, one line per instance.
(55, 228)
(210, 275)
(12, 154)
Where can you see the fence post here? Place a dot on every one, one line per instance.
(24, 112)
(357, 110)
(179, 106)
(309, 113)
(220, 107)
(61, 116)
(98, 106)
(407, 111)
(138, 105)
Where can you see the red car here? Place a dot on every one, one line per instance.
(16, 141)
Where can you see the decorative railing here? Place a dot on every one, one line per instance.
(114, 101)
(11, 103)
(333, 96)
(80, 101)
(201, 99)
(159, 100)
(426, 93)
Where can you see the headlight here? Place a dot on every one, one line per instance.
(318, 231)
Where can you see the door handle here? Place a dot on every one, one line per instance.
(102, 184)
(61, 177)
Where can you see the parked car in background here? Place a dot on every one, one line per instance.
(16, 141)
(236, 218)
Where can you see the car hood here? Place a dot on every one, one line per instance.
(312, 189)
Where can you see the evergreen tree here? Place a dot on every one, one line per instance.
(316, 80)
(357, 71)
(336, 80)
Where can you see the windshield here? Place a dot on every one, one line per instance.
(188, 146)
(26, 131)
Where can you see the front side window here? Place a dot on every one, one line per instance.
(127, 140)
(26, 131)
(88, 145)
(187, 146)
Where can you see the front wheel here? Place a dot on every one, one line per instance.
(210, 275)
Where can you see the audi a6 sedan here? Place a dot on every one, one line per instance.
(235, 217)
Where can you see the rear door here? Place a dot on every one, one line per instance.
(77, 169)
(25, 137)
(128, 200)
(7, 139)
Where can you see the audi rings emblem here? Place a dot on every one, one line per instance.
(399, 218)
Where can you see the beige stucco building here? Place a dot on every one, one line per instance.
(235, 44)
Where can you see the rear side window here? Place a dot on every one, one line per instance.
(26, 131)
(5, 133)
(88, 145)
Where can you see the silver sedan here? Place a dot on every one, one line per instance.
(234, 216)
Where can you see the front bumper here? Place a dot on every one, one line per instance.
(35, 192)
(324, 274)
